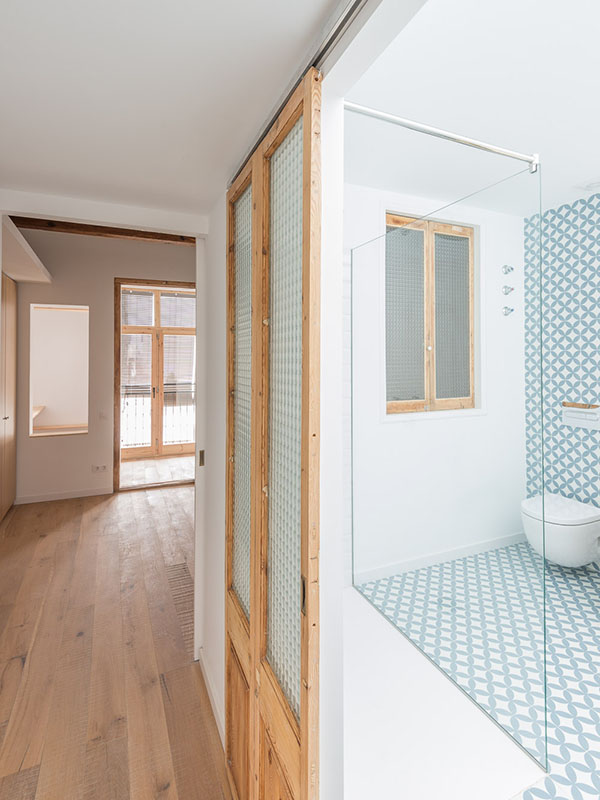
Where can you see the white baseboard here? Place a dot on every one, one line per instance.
(218, 711)
(40, 498)
(387, 570)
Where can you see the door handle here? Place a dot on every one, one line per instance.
(303, 595)
(153, 392)
(5, 417)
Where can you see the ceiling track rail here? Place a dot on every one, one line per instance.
(533, 160)
(336, 32)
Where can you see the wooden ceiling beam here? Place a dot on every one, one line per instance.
(33, 224)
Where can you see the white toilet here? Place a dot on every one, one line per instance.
(572, 529)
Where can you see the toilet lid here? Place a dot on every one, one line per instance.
(560, 510)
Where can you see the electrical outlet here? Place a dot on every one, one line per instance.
(98, 467)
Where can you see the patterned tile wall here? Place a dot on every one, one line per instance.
(570, 344)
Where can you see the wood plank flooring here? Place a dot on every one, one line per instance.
(147, 471)
(99, 697)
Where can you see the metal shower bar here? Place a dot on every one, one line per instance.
(532, 160)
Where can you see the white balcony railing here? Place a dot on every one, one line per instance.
(179, 415)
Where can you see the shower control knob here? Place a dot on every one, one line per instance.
(507, 289)
(507, 311)
(506, 269)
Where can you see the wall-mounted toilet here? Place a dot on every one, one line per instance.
(572, 529)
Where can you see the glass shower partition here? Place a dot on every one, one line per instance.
(447, 424)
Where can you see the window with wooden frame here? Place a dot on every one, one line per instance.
(429, 336)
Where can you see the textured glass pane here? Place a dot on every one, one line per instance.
(177, 310)
(179, 376)
(285, 389)
(452, 316)
(136, 389)
(137, 308)
(404, 313)
(242, 399)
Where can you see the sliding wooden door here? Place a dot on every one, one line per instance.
(273, 460)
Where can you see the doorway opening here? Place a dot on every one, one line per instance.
(155, 377)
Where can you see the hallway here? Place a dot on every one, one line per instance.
(99, 696)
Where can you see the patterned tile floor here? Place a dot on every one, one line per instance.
(481, 619)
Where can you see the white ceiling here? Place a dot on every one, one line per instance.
(143, 102)
(522, 74)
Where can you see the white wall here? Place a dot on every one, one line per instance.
(59, 364)
(210, 525)
(331, 559)
(427, 484)
(83, 269)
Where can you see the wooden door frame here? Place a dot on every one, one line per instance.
(295, 744)
(239, 649)
(118, 285)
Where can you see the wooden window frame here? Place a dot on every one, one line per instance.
(157, 287)
(430, 402)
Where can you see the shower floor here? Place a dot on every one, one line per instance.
(480, 619)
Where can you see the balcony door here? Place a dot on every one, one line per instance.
(155, 368)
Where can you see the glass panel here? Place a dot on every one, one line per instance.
(242, 397)
(285, 407)
(179, 375)
(442, 545)
(177, 310)
(137, 307)
(404, 313)
(136, 389)
(452, 316)
(569, 309)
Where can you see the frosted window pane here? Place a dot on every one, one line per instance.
(452, 316)
(242, 313)
(404, 313)
(137, 308)
(285, 394)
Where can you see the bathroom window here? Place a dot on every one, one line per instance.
(428, 315)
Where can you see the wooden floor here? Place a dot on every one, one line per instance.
(146, 471)
(99, 697)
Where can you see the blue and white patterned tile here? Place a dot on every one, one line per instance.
(481, 619)
(566, 305)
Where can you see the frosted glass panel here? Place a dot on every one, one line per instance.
(242, 321)
(404, 313)
(452, 316)
(285, 407)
